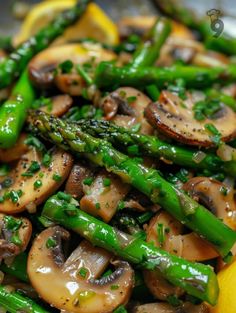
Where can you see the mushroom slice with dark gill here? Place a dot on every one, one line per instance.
(73, 285)
(42, 67)
(32, 181)
(167, 308)
(15, 234)
(216, 196)
(175, 118)
(125, 107)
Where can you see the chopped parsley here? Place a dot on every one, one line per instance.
(106, 182)
(66, 66)
(160, 233)
(206, 109)
(131, 99)
(33, 168)
(47, 160)
(51, 243)
(88, 181)
(37, 184)
(56, 177)
(34, 142)
(4, 169)
(12, 223)
(216, 138)
(83, 272)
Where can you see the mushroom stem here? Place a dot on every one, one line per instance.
(197, 279)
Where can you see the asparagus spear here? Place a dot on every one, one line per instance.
(147, 180)
(13, 302)
(197, 279)
(13, 111)
(222, 97)
(15, 63)
(107, 75)
(17, 268)
(138, 144)
(148, 51)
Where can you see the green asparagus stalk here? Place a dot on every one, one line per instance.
(147, 180)
(13, 111)
(13, 302)
(16, 62)
(137, 144)
(197, 279)
(149, 50)
(213, 93)
(17, 268)
(107, 76)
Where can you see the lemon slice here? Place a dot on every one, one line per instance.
(93, 24)
(227, 282)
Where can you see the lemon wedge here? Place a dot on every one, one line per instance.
(93, 24)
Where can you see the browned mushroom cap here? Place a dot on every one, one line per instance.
(74, 184)
(66, 285)
(104, 195)
(58, 105)
(167, 308)
(210, 59)
(14, 236)
(14, 153)
(175, 118)
(216, 196)
(127, 102)
(42, 66)
(24, 190)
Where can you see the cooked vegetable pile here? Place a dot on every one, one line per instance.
(117, 164)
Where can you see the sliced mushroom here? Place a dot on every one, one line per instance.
(127, 101)
(59, 105)
(216, 196)
(64, 284)
(175, 118)
(42, 66)
(74, 184)
(14, 153)
(15, 234)
(24, 190)
(187, 245)
(167, 308)
(104, 195)
(210, 59)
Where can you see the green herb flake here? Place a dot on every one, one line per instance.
(121, 205)
(83, 272)
(4, 170)
(106, 182)
(115, 287)
(136, 128)
(64, 196)
(224, 190)
(56, 177)
(16, 240)
(145, 217)
(97, 206)
(33, 168)
(47, 160)
(34, 142)
(131, 99)
(88, 181)
(37, 184)
(51, 243)
(160, 233)
(173, 300)
(66, 66)
(12, 223)
(214, 131)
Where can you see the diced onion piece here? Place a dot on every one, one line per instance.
(199, 156)
(226, 153)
